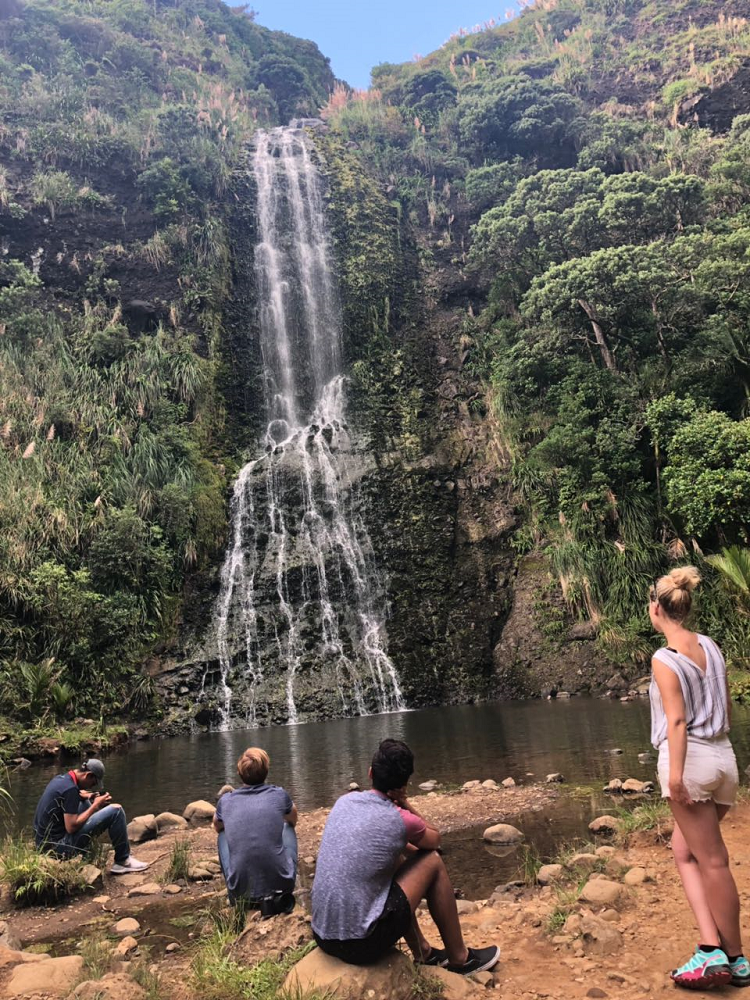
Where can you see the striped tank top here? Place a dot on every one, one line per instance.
(704, 692)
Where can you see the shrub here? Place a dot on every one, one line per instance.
(35, 878)
(55, 189)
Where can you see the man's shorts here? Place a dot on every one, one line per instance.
(389, 928)
(710, 773)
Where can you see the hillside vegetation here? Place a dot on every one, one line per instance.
(121, 125)
(586, 169)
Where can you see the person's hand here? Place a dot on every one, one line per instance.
(679, 793)
(102, 800)
(398, 796)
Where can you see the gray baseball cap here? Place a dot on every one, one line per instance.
(95, 767)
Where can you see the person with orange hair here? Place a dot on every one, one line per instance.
(690, 720)
(257, 841)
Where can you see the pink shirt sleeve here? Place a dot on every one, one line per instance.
(415, 827)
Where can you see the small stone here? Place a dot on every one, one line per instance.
(353, 786)
(585, 861)
(149, 889)
(174, 946)
(101, 899)
(508, 783)
(429, 786)
(467, 785)
(224, 790)
(198, 873)
(599, 936)
(604, 824)
(126, 926)
(309, 860)
(489, 783)
(612, 916)
(605, 851)
(636, 876)
(616, 751)
(502, 833)
(573, 924)
(8, 938)
(634, 786)
(125, 946)
(614, 786)
(485, 979)
(466, 906)
(596, 994)
(549, 873)
(555, 776)
(172, 889)
(92, 874)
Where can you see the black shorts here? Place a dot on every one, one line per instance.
(389, 928)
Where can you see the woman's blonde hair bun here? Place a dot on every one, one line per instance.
(674, 591)
(684, 578)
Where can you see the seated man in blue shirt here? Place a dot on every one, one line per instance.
(257, 842)
(70, 813)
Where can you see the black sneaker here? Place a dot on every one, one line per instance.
(479, 960)
(437, 957)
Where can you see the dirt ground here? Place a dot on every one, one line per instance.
(656, 927)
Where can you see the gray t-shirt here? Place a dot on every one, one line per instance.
(364, 835)
(253, 818)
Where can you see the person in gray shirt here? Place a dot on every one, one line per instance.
(377, 860)
(257, 840)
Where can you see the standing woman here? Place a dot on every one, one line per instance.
(690, 718)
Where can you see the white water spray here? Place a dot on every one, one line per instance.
(299, 586)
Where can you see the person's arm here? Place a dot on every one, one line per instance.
(674, 709)
(74, 821)
(217, 824)
(292, 816)
(430, 839)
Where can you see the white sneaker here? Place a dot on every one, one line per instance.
(131, 865)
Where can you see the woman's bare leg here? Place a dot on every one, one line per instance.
(425, 877)
(714, 894)
(692, 883)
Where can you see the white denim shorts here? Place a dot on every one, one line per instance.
(710, 770)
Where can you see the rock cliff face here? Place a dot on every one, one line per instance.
(430, 480)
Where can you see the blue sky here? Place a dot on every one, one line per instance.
(358, 34)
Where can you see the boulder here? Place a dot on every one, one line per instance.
(113, 986)
(549, 873)
(489, 783)
(466, 906)
(554, 777)
(455, 987)
(600, 937)
(125, 946)
(8, 938)
(468, 785)
(429, 786)
(635, 787)
(224, 790)
(172, 889)
(10, 957)
(586, 862)
(636, 876)
(502, 833)
(508, 783)
(614, 787)
(601, 892)
(605, 852)
(126, 926)
(390, 978)
(170, 821)
(199, 812)
(573, 924)
(604, 824)
(617, 683)
(55, 977)
(142, 828)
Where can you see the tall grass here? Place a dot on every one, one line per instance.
(34, 878)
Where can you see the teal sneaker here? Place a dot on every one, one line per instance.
(703, 971)
(740, 970)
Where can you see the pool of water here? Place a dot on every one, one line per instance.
(453, 744)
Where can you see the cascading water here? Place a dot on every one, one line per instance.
(300, 599)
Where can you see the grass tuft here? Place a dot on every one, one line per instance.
(649, 816)
(35, 878)
(179, 861)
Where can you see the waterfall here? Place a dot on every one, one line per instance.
(300, 597)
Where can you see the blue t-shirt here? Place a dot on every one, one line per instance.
(253, 818)
(59, 797)
(364, 836)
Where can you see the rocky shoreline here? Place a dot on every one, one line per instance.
(582, 914)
